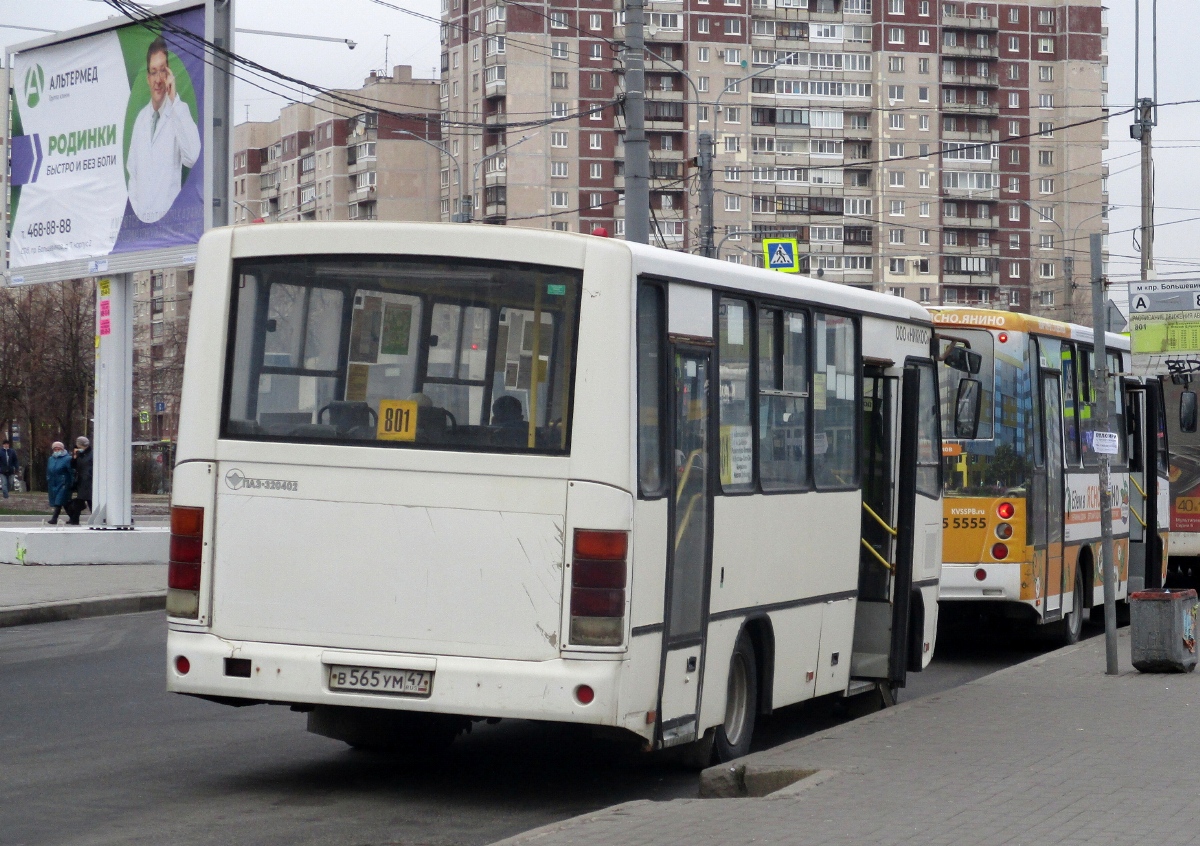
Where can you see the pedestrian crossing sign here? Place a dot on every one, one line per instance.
(781, 254)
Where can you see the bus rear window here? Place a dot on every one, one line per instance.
(402, 353)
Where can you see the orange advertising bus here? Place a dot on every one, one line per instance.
(1021, 523)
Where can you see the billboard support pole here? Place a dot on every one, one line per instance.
(112, 483)
(219, 106)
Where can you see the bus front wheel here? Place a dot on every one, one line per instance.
(741, 703)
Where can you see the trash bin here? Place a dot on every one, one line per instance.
(1162, 626)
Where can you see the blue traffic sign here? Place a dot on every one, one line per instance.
(782, 254)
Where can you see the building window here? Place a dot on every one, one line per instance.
(896, 120)
(1046, 214)
(1014, 213)
(1046, 129)
(733, 144)
(702, 26)
(1014, 184)
(594, 52)
(1045, 101)
(702, 54)
(1046, 242)
(1014, 15)
(558, 20)
(1046, 158)
(558, 170)
(923, 95)
(1014, 44)
(895, 7)
(1046, 186)
(1014, 270)
(1046, 270)
(950, 296)
(1014, 128)
(558, 50)
(1014, 100)
(733, 56)
(596, 170)
(733, 114)
(595, 141)
(1046, 298)
(595, 200)
(923, 37)
(895, 35)
(1045, 45)
(1014, 155)
(558, 110)
(895, 150)
(733, 203)
(733, 174)
(558, 139)
(1014, 242)
(896, 179)
(896, 208)
(895, 236)
(702, 114)
(924, 209)
(733, 26)
(922, 66)
(895, 64)
(897, 292)
(895, 92)
(923, 123)
(897, 267)
(558, 199)
(559, 79)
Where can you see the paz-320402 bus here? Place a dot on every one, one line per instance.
(434, 473)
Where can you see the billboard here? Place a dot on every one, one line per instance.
(1164, 327)
(107, 150)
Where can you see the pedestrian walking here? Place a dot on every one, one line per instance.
(82, 465)
(60, 477)
(10, 466)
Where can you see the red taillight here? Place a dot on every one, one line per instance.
(585, 694)
(1004, 531)
(598, 579)
(182, 665)
(980, 574)
(1003, 337)
(601, 546)
(999, 551)
(183, 568)
(1006, 510)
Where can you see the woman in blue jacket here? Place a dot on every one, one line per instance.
(59, 479)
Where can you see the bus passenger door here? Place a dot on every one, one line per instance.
(1052, 482)
(690, 541)
(1135, 398)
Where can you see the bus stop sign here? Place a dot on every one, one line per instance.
(781, 254)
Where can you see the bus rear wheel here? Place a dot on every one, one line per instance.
(1067, 630)
(741, 703)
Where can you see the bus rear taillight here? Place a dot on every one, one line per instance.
(1005, 510)
(183, 569)
(999, 551)
(598, 578)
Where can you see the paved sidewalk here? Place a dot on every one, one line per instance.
(1051, 751)
(31, 594)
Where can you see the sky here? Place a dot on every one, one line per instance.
(413, 41)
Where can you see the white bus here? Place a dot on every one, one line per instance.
(433, 473)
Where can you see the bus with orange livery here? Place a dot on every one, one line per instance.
(1021, 516)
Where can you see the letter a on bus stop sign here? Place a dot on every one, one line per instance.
(781, 254)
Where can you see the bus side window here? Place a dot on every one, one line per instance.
(835, 390)
(1070, 396)
(1039, 431)
(733, 361)
(782, 399)
(929, 442)
(1116, 402)
(650, 341)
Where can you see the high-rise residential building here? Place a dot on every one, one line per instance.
(949, 152)
(161, 303)
(371, 155)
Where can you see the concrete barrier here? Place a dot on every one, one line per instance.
(81, 545)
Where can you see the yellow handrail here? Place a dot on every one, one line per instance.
(1138, 516)
(687, 471)
(875, 552)
(879, 520)
(687, 516)
(1136, 485)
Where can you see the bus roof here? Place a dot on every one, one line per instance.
(539, 246)
(983, 318)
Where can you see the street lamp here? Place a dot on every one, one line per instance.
(1068, 262)
(350, 44)
(479, 164)
(463, 215)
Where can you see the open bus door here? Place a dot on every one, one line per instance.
(1148, 476)
(883, 621)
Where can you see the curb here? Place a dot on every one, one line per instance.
(78, 609)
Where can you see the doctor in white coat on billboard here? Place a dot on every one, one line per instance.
(165, 140)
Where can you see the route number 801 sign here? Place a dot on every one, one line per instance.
(397, 420)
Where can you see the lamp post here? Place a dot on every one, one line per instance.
(1068, 262)
(348, 42)
(463, 215)
(479, 164)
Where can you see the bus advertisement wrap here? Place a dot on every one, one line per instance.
(106, 151)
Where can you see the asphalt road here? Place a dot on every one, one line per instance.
(94, 751)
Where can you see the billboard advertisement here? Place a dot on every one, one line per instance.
(107, 143)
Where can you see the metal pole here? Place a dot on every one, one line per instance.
(637, 148)
(1069, 285)
(1101, 386)
(1146, 125)
(222, 113)
(705, 160)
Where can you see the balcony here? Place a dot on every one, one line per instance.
(974, 109)
(989, 280)
(975, 137)
(975, 23)
(495, 119)
(659, 94)
(972, 250)
(971, 193)
(361, 195)
(992, 52)
(971, 79)
(971, 222)
(497, 88)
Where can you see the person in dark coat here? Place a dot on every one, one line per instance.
(83, 480)
(60, 477)
(10, 466)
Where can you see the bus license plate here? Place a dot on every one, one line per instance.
(380, 680)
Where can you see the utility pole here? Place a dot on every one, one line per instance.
(637, 148)
(1143, 131)
(705, 160)
(1101, 385)
(1069, 283)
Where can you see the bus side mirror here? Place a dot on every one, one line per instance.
(966, 408)
(1187, 411)
(963, 360)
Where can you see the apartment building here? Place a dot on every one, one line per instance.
(161, 304)
(936, 150)
(329, 159)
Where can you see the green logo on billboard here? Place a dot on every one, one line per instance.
(35, 84)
